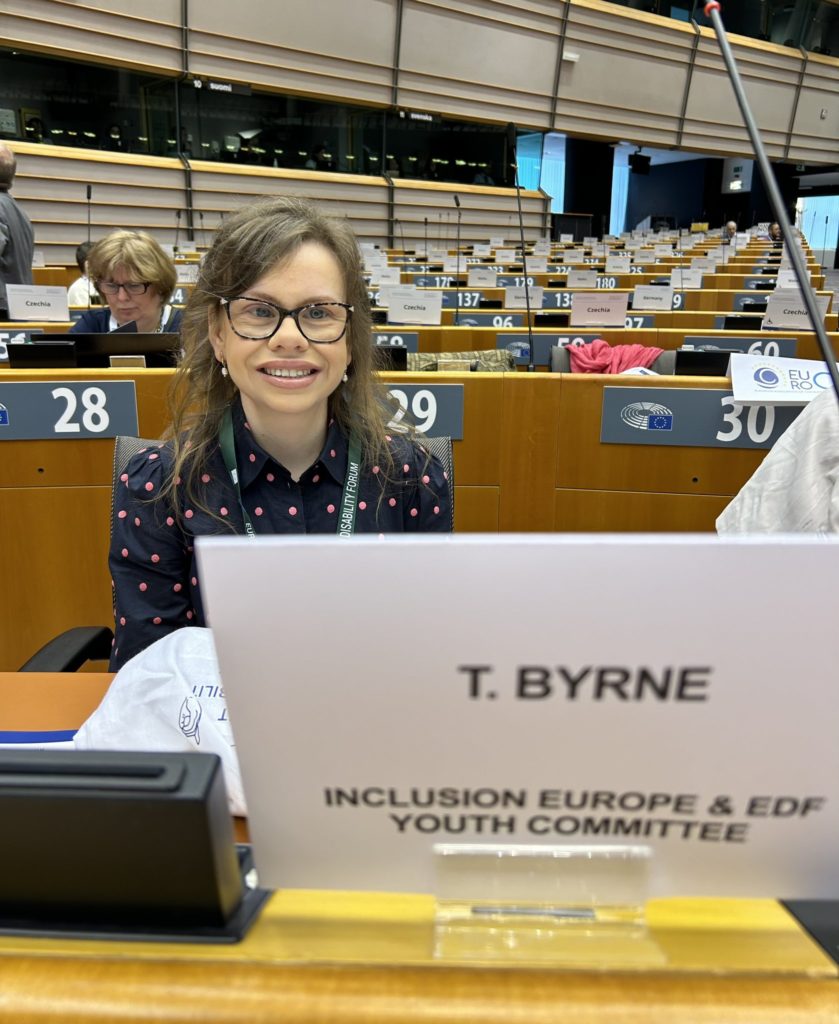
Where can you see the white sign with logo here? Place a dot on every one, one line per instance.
(545, 728)
(786, 310)
(682, 278)
(776, 380)
(414, 306)
(37, 302)
(652, 297)
(481, 277)
(599, 309)
(517, 298)
(582, 279)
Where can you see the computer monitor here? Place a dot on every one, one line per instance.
(95, 350)
(701, 363)
(742, 323)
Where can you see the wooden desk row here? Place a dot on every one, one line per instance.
(531, 459)
(373, 958)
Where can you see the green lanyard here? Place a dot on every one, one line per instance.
(349, 499)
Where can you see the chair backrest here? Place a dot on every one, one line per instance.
(126, 447)
(442, 448)
(491, 360)
(561, 361)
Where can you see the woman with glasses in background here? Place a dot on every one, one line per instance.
(278, 424)
(136, 278)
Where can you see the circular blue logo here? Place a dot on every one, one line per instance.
(766, 377)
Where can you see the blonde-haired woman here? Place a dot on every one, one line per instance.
(278, 422)
(136, 278)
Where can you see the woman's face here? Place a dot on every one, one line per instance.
(287, 375)
(144, 307)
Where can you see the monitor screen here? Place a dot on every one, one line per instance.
(95, 350)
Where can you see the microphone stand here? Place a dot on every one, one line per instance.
(457, 266)
(203, 230)
(177, 228)
(89, 194)
(712, 11)
(824, 241)
(531, 366)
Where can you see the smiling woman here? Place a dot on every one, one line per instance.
(278, 422)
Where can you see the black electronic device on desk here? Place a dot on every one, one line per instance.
(121, 845)
(391, 358)
(742, 323)
(551, 319)
(96, 351)
(700, 362)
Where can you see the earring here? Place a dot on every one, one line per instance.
(224, 370)
(345, 378)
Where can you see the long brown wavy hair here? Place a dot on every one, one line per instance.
(250, 244)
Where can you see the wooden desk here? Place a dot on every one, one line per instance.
(350, 958)
(531, 459)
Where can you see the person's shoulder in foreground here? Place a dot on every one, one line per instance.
(796, 487)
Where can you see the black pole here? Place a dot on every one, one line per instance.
(457, 266)
(712, 11)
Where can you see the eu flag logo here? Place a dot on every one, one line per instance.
(659, 422)
(4, 416)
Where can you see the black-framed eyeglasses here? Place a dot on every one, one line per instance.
(132, 288)
(322, 323)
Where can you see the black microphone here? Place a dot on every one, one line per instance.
(712, 11)
(511, 145)
(398, 223)
(177, 227)
(457, 265)
(89, 195)
(425, 254)
(203, 230)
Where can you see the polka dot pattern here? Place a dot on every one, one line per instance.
(152, 559)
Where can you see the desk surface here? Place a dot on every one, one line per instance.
(359, 957)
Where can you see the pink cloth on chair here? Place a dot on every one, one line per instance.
(599, 356)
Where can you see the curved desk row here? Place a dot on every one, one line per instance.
(530, 459)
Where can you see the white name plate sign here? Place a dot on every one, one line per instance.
(651, 296)
(581, 279)
(785, 310)
(482, 250)
(37, 302)
(416, 307)
(618, 264)
(537, 265)
(542, 728)
(505, 255)
(517, 298)
(481, 277)
(386, 275)
(599, 309)
(682, 278)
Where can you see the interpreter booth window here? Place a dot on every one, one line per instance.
(89, 106)
(233, 124)
(426, 146)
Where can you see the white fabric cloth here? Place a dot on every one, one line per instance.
(169, 698)
(81, 291)
(796, 487)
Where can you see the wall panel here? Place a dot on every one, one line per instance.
(483, 60)
(629, 80)
(485, 212)
(144, 37)
(321, 47)
(363, 200)
(127, 191)
(815, 138)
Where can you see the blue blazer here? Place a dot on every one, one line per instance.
(96, 321)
